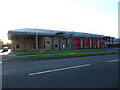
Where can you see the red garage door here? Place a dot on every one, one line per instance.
(102, 43)
(86, 43)
(76, 43)
(95, 43)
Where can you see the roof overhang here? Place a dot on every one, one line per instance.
(45, 32)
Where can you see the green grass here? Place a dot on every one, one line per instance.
(25, 53)
(63, 56)
(70, 51)
(57, 51)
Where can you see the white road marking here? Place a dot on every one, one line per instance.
(43, 72)
(112, 61)
(0, 62)
(72, 53)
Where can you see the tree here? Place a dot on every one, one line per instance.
(7, 45)
(1, 43)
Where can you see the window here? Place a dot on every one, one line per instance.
(26, 38)
(48, 42)
(55, 45)
(47, 38)
(15, 38)
(32, 38)
(17, 46)
(63, 46)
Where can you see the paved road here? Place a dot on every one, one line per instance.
(79, 72)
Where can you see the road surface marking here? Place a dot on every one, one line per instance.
(71, 53)
(0, 62)
(112, 61)
(43, 72)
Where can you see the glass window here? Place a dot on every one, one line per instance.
(15, 38)
(56, 45)
(48, 42)
(17, 46)
(47, 38)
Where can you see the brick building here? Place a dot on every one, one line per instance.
(40, 39)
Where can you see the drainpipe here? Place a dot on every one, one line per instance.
(112, 41)
(98, 43)
(44, 42)
(25, 42)
(90, 43)
(66, 39)
(52, 44)
(36, 40)
(81, 43)
(59, 43)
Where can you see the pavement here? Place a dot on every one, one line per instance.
(79, 72)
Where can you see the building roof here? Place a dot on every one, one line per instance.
(34, 31)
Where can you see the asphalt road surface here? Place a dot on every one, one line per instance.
(79, 72)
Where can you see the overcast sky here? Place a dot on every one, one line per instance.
(90, 16)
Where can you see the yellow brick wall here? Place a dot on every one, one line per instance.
(28, 45)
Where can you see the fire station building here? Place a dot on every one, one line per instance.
(40, 39)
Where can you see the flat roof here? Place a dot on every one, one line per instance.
(34, 31)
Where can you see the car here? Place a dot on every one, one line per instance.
(5, 49)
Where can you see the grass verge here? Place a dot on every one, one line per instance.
(63, 56)
(25, 53)
(70, 51)
(57, 51)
